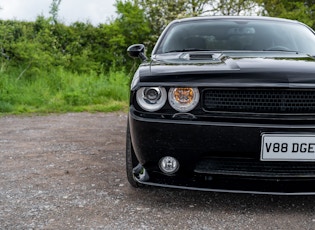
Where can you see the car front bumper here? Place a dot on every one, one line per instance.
(217, 156)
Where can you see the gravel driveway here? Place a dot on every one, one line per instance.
(68, 172)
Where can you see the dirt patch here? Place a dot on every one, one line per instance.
(68, 172)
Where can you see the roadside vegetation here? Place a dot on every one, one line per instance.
(63, 91)
(47, 66)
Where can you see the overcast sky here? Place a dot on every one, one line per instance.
(94, 11)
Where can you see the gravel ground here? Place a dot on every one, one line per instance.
(68, 172)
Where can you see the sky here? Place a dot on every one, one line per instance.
(94, 11)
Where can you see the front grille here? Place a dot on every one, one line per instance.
(245, 167)
(260, 100)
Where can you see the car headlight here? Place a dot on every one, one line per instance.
(183, 99)
(151, 98)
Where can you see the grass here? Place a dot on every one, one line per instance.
(58, 90)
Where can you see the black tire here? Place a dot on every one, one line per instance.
(131, 160)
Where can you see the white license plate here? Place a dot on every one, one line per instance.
(288, 147)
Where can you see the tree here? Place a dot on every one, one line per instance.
(234, 7)
(54, 9)
(196, 7)
(301, 10)
(130, 26)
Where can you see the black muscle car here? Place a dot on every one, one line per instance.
(225, 104)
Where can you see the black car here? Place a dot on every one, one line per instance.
(225, 104)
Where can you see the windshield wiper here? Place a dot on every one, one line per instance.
(281, 49)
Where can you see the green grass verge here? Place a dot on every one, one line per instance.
(62, 91)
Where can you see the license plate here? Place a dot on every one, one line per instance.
(288, 147)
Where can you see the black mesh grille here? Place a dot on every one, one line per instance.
(260, 100)
(256, 168)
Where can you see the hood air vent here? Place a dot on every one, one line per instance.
(200, 56)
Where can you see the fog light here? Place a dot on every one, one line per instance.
(169, 165)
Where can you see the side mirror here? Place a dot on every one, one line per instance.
(137, 51)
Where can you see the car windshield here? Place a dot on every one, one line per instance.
(237, 35)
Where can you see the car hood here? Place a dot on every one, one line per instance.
(234, 67)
